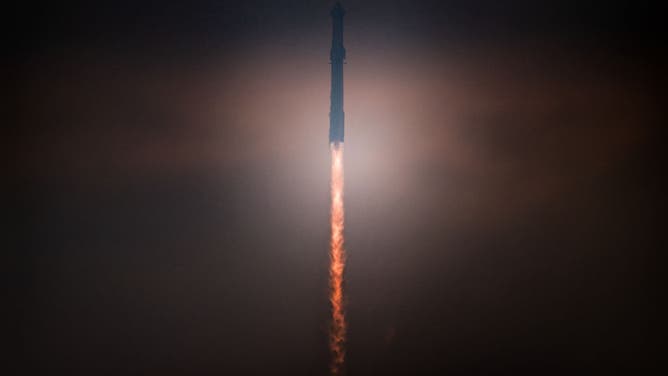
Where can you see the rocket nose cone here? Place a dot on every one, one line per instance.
(337, 10)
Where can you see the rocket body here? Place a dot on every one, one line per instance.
(337, 56)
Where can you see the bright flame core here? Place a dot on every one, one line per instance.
(337, 333)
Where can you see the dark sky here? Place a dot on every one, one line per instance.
(169, 178)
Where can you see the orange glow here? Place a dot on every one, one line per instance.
(337, 333)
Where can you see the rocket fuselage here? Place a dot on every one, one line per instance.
(337, 56)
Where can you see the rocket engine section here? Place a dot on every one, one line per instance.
(337, 57)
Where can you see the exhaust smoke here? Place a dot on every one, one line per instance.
(337, 256)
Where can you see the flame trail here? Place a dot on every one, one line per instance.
(337, 256)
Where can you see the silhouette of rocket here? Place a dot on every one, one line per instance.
(337, 56)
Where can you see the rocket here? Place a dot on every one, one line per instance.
(336, 57)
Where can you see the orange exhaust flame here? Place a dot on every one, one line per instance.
(337, 332)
